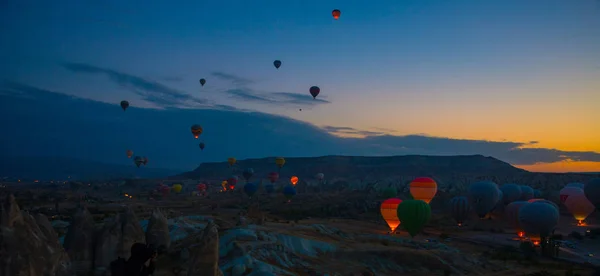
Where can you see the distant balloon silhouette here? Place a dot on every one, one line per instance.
(336, 14)
(202, 82)
(277, 64)
(124, 105)
(314, 91)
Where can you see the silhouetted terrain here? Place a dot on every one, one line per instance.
(454, 171)
(49, 168)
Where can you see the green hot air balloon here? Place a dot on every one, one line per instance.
(414, 214)
(389, 192)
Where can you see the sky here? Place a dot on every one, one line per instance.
(516, 73)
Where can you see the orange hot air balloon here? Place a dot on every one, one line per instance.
(423, 188)
(196, 130)
(294, 180)
(129, 153)
(336, 14)
(389, 212)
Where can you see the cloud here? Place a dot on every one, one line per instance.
(151, 91)
(232, 78)
(279, 98)
(349, 131)
(73, 127)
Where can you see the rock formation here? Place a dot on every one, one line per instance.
(116, 237)
(205, 253)
(27, 248)
(79, 241)
(157, 233)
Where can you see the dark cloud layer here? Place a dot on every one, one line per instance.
(54, 124)
(279, 98)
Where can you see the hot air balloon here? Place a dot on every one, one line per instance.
(580, 207)
(459, 209)
(423, 188)
(592, 191)
(269, 188)
(314, 91)
(414, 214)
(511, 213)
(336, 14)
(566, 192)
(279, 161)
(231, 161)
(124, 105)
(202, 82)
(201, 187)
(294, 180)
(232, 182)
(138, 160)
(537, 193)
(202, 145)
(145, 160)
(389, 192)
(277, 63)
(526, 192)
(510, 192)
(196, 131)
(248, 173)
(273, 177)
(129, 153)
(250, 189)
(224, 185)
(576, 185)
(483, 196)
(544, 201)
(177, 188)
(538, 219)
(289, 192)
(320, 176)
(389, 212)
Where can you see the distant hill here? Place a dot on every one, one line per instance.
(449, 171)
(49, 168)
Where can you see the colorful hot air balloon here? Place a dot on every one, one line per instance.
(202, 145)
(250, 189)
(483, 197)
(510, 192)
(289, 192)
(511, 213)
(124, 105)
(231, 161)
(196, 131)
(277, 63)
(280, 161)
(273, 177)
(202, 82)
(423, 188)
(314, 91)
(336, 14)
(389, 212)
(248, 173)
(138, 160)
(566, 192)
(201, 187)
(389, 192)
(232, 182)
(592, 191)
(459, 209)
(538, 219)
(414, 214)
(177, 188)
(224, 185)
(129, 153)
(526, 192)
(580, 207)
(294, 180)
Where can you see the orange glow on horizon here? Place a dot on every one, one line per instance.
(563, 167)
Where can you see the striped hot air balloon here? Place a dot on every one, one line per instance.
(423, 188)
(389, 212)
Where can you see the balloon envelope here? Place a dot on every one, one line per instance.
(538, 218)
(592, 191)
(511, 213)
(483, 197)
(314, 91)
(294, 180)
(273, 177)
(510, 192)
(202, 82)
(320, 176)
(336, 14)
(579, 206)
(459, 209)
(231, 161)
(576, 185)
(566, 192)
(526, 192)
(277, 63)
(124, 105)
(280, 161)
(423, 188)
(177, 188)
(389, 212)
(414, 214)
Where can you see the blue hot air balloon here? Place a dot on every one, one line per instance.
(483, 196)
(459, 209)
(248, 173)
(289, 191)
(526, 192)
(511, 192)
(537, 193)
(270, 188)
(250, 189)
(538, 219)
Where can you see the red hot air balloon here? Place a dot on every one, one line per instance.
(336, 14)
(314, 91)
(273, 177)
(232, 182)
